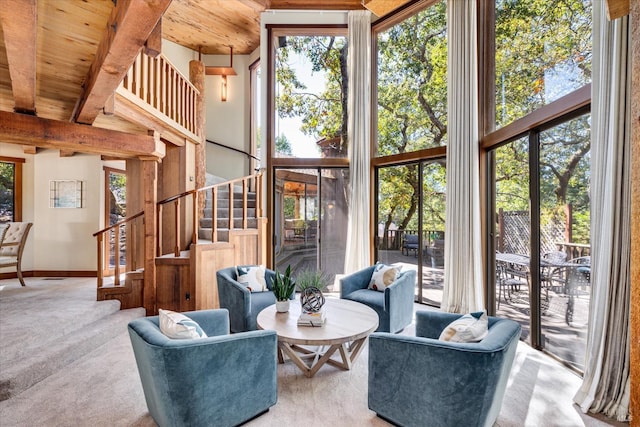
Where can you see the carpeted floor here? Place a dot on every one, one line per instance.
(102, 388)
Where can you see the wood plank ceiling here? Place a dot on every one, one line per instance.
(69, 39)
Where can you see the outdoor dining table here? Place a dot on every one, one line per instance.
(555, 274)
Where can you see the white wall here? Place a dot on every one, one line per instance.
(61, 238)
(228, 122)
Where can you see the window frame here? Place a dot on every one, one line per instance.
(17, 185)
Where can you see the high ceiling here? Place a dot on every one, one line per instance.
(67, 36)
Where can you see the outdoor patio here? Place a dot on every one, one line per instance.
(565, 340)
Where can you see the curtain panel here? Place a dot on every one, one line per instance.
(606, 385)
(463, 279)
(358, 253)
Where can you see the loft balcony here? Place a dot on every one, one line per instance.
(155, 95)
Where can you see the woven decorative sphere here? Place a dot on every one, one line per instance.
(312, 300)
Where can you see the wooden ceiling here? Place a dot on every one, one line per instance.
(60, 60)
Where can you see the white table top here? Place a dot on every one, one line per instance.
(345, 321)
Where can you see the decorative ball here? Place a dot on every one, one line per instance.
(312, 300)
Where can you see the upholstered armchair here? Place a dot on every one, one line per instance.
(12, 240)
(243, 305)
(394, 305)
(422, 381)
(223, 380)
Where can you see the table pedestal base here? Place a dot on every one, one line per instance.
(297, 354)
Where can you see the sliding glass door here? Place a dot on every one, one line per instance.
(311, 220)
(541, 228)
(410, 216)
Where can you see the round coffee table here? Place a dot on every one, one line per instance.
(347, 326)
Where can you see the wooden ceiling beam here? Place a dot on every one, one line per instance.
(617, 8)
(65, 136)
(19, 26)
(129, 27)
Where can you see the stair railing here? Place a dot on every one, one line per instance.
(114, 232)
(248, 183)
(104, 247)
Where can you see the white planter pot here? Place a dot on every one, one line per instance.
(282, 306)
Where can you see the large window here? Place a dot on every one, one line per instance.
(307, 148)
(542, 52)
(311, 96)
(412, 82)
(538, 169)
(409, 149)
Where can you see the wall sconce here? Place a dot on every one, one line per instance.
(223, 89)
(224, 72)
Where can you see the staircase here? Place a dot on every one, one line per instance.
(205, 230)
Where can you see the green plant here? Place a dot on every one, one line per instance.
(310, 278)
(283, 285)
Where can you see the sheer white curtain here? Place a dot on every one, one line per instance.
(606, 379)
(358, 128)
(463, 257)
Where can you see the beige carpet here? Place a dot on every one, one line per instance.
(103, 389)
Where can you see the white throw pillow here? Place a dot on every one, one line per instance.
(383, 276)
(252, 276)
(178, 326)
(472, 327)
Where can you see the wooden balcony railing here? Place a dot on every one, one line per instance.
(158, 84)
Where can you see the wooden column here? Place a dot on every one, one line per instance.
(150, 185)
(635, 214)
(196, 75)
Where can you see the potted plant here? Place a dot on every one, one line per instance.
(310, 279)
(283, 287)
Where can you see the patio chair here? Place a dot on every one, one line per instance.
(410, 244)
(436, 253)
(12, 241)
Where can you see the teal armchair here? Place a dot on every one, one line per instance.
(394, 305)
(242, 304)
(221, 380)
(422, 381)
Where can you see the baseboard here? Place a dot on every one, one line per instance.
(50, 273)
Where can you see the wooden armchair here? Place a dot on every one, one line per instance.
(12, 245)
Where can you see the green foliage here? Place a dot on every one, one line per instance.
(311, 278)
(283, 285)
(323, 114)
(7, 176)
(283, 146)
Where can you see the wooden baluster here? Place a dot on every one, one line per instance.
(245, 203)
(196, 223)
(214, 214)
(176, 248)
(230, 207)
(116, 256)
(159, 232)
(100, 260)
(259, 195)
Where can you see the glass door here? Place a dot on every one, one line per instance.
(540, 191)
(311, 220)
(410, 217)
